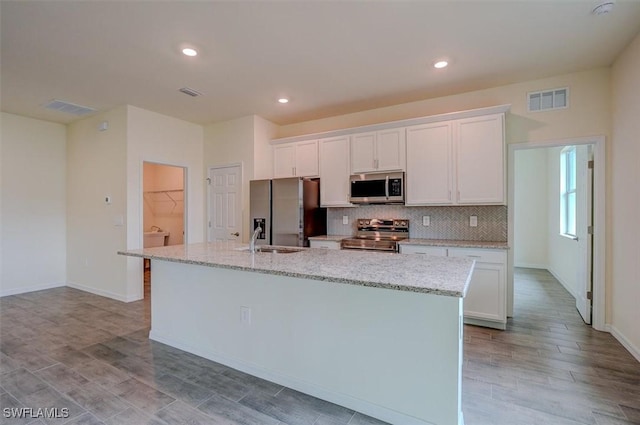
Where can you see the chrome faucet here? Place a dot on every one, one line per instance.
(252, 243)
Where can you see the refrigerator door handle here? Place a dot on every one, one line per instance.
(386, 187)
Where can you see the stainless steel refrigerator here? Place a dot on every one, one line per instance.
(288, 210)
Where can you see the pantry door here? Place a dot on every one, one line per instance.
(225, 203)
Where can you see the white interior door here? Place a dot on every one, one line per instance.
(225, 203)
(585, 270)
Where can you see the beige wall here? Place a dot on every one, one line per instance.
(232, 142)
(624, 198)
(32, 204)
(96, 168)
(166, 140)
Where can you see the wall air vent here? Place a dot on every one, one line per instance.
(548, 99)
(69, 108)
(190, 91)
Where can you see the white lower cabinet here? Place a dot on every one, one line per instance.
(324, 244)
(486, 301)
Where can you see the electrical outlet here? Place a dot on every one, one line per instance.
(345, 219)
(473, 221)
(245, 315)
(426, 220)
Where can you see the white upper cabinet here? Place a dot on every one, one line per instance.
(429, 178)
(459, 162)
(378, 151)
(480, 160)
(334, 172)
(298, 159)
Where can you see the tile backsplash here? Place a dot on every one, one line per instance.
(446, 222)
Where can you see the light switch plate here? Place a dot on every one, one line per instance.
(426, 220)
(345, 219)
(473, 221)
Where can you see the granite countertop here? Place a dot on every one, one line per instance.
(425, 274)
(455, 244)
(336, 238)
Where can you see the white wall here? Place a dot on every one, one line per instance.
(530, 209)
(161, 139)
(624, 199)
(96, 168)
(263, 132)
(564, 254)
(32, 204)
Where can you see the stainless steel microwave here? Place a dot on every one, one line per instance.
(377, 188)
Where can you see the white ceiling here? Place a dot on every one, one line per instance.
(330, 58)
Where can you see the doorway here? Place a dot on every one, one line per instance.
(225, 203)
(163, 220)
(540, 235)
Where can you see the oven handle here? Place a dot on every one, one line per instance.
(386, 187)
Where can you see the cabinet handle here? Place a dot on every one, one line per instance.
(474, 256)
(377, 164)
(293, 171)
(449, 195)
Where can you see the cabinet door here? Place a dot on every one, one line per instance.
(363, 153)
(306, 159)
(429, 177)
(486, 298)
(324, 244)
(390, 150)
(284, 161)
(480, 160)
(334, 172)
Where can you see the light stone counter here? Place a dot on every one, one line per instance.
(455, 244)
(433, 275)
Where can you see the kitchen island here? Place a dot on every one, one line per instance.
(375, 332)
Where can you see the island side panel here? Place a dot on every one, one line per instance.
(394, 355)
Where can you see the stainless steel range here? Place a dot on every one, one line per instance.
(378, 234)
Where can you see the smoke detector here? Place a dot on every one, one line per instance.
(190, 91)
(603, 8)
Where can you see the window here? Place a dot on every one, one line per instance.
(568, 192)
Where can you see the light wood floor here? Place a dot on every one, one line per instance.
(548, 367)
(67, 348)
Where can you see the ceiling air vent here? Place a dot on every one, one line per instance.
(69, 108)
(548, 99)
(190, 91)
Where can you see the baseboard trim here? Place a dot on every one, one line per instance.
(635, 351)
(358, 405)
(101, 292)
(17, 291)
(531, 266)
(563, 283)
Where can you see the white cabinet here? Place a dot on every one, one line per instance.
(459, 162)
(378, 151)
(334, 172)
(486, 301)
(324, 244)
(480, 160)
(298, 159)
(429, 177)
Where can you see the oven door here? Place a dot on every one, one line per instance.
(378, 188)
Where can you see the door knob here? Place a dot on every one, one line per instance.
(235, 234)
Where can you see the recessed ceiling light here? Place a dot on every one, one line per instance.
(441, 64)
(283, 100)
(188, 51)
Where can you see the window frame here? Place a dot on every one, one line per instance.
(568, 192)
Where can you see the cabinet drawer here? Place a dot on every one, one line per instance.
(422, 249)
(480, 255)
(324, 244)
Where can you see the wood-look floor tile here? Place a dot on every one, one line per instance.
(61, 377)
(181, 413)
(222, 408)
(96, 400)
(142, 396)
(133, 416)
